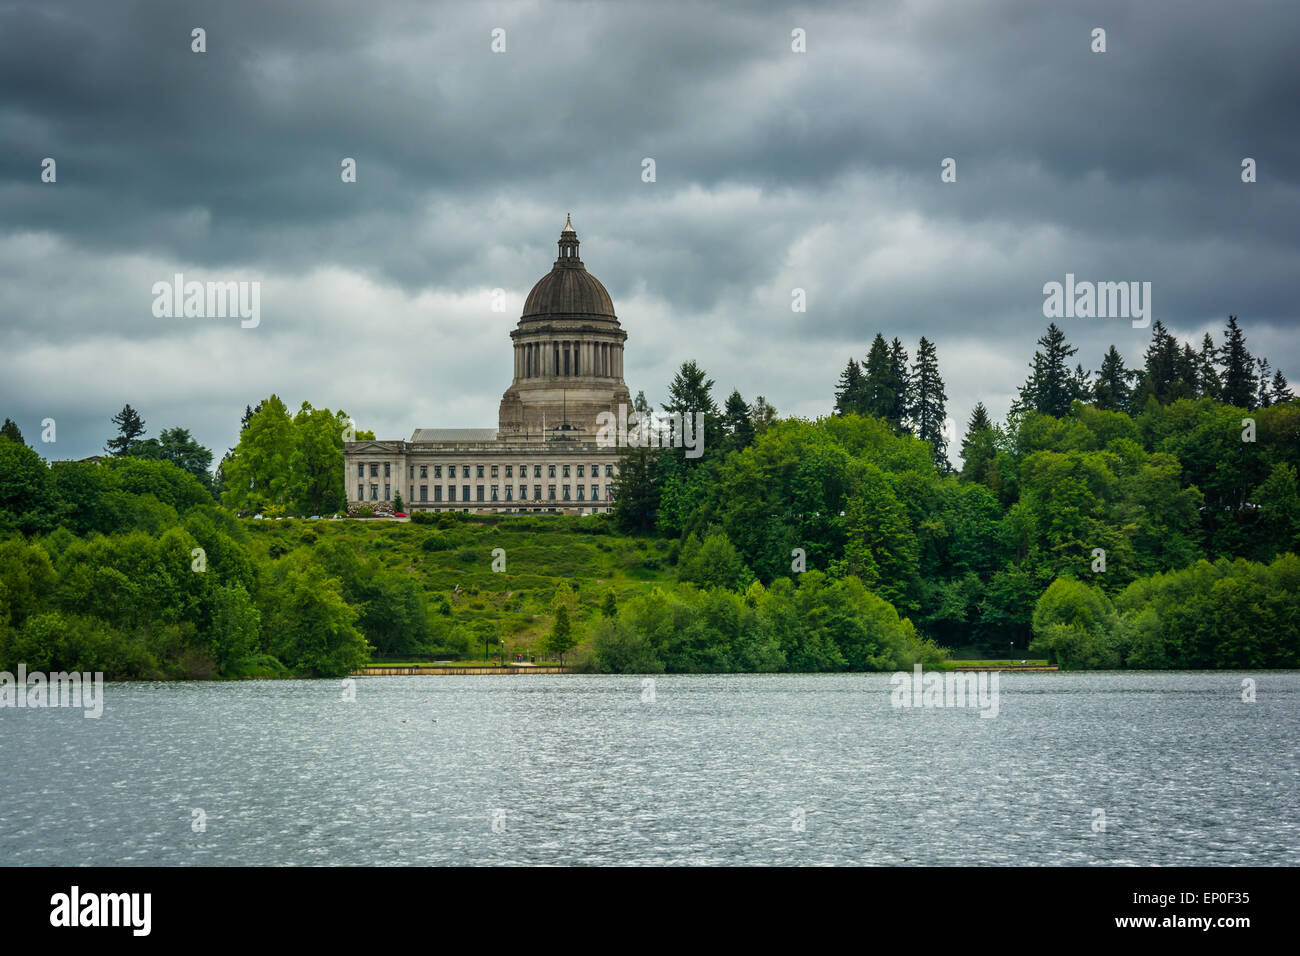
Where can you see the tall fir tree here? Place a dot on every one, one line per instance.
(879, 392)
(1239, 386)
(130, 426)
(928, 408)
(1281, 389)
(979, 446)
(737, 426)
(1051, 386)
(1112, 391)
(900, 384)
(1264, 397)
(1208, 383)
(691, 393)
(851, 396)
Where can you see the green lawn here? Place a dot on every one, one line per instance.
(540, 555)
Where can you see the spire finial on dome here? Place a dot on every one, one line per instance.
(568, 224)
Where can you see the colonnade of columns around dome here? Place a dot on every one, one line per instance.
(568, 358)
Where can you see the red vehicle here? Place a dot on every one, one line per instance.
(400, 514)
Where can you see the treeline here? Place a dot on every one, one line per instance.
(127, 566)
(1238, 614)
(1071, 485)
(821, 625)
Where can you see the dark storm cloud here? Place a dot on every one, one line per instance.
(774, 171)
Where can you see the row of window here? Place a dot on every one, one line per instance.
(478, 470)
(495, 490)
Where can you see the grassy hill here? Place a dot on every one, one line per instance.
(541, 556)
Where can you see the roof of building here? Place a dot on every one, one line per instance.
(454, 434)
(568, 289)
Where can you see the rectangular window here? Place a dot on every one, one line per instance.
(411, 496)
(550, 492)
(361, 469)
(595, 492)
(523, 492)
(410, 471)
(424, 471)
(537, 471)
(580, 490)
(464, 489)
(374, 492)
(595, 471)
(424, 492)
(387, 495)
(437, 471)
(609, 471)
(388, 469)
(437, 492)
(566, 492)
(451, 492)
(374, 469)
(464, 471)
(495, 471)
(478, 471)
(510, 492)
(537, 492)
(495, 497)
(479, 492)
(550, 471)
(361, 492)
(580, 471)
(510, 471)
(566, 471)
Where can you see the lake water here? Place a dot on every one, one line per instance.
(573, 769)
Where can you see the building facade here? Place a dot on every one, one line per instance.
(542, 456)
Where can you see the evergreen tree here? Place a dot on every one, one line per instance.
(1160, 368)
(11, 431)
(763, 415)
(1239, 387)
(691, 392)
(1281, 390)
(636, 487)
(737, 427)
(1051, 386)
(1264, 395)
(878, 390)
(900, 385)
(978, 447)
(851, 397)
(561, 639)
(130, 426)
(1208, 383)
(1186, 383)
(1112, 391)
(929, 403)
(181, 449)
(1082, 384)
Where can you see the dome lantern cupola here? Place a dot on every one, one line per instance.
(568, 244)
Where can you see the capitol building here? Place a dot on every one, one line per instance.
(543, 455)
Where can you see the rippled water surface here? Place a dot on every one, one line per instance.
(714, 770)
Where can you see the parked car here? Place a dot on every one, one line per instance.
(257, 517)
(399, 514)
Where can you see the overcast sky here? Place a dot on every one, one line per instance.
(775, 170)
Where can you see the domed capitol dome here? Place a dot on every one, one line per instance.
(568, 289)
(568, 346)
